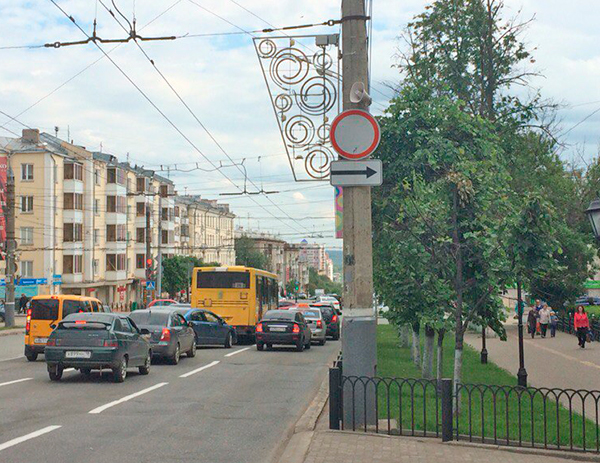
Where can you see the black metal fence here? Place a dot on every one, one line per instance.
(565, 324)
(561, 419)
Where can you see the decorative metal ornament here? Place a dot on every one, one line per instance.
(304, 85)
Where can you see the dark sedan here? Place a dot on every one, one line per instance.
(209, 329)
(283, 327)
(332, 319)
(170, 333)
(93, 341)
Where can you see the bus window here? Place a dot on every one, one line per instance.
(223, 280)
(259, 289)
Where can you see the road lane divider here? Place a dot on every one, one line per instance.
(8, 383)
(198, 370)
(100, 409)
(231, 354)
(13, 358)
(27, 437)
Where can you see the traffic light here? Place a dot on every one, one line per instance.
(150, 271)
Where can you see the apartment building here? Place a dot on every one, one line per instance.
(81, 220)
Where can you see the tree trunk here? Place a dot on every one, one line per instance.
(440, 356)
(458, 351)
(404, 336)
(458, 287)
(416, 344)
(427, 367)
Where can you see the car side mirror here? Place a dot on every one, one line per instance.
(52, 325)
(191, 324)
(144, 332)
(221, 322)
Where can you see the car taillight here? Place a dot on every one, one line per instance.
(259, 328)
(296, 329)
(28, 322)
(334, 319)
(111, 343)
(51, 342)
(166, 334)
(319, 324)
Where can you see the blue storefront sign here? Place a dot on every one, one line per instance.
(57, 279)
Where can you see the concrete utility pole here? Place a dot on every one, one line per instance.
(159, 255)
(148, 251)
(10, 246)
(359, 340)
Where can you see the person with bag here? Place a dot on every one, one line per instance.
(581, 324)
(532, 318)
(544, 315)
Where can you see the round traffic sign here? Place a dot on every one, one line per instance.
(355, 134)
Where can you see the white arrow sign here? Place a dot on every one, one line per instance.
(357, 173)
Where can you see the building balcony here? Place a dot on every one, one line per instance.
(116, 247)
(73, 186)
(119, 275)
(73, 247)
(72, 216)
(114, 189)
(167, 225)
(72, 278)
(140, 273)
(140, 221)
(116, 218)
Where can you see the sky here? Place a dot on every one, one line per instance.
(220, 79)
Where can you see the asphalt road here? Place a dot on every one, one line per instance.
(214, 408)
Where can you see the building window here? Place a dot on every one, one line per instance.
(140, 209)
(165, 237)
(116, 233)
(97, 176)
(164, 191)
(73, 232)
(26, 235)
(73, 201)
(73, 171)
(116, 262)
(116, 204)
(95, 266)
(96, 206)
(140, 184)
(96, 235)
(140, 260)
(72, 264)
(115, 175)
(26, 203)
(165, 213)
(26, 268)
(140, 235)
(26, 172)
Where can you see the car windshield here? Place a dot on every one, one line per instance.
(279, 315)
(148, 317)
(311, 313)
(44, 309)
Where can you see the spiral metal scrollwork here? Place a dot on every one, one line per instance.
(300, 130)
(322, 62)
(318, 162)
(266, 48)
(289, 66)
(283, 102)
(317, 96)
(323, 132)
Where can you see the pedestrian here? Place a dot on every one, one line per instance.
(544, 315)
(582, 324)
(553, 323)
(23, 303)
(532, 318)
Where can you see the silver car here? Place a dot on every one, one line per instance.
(316, 323)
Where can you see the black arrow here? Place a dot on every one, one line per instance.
(368, 172)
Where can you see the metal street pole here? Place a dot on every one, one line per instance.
(484, 352)
(359, 338)
(148, 251)
(159, 255)
(522, 373)
(10, 247)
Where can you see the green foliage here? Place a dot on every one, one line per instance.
(316, 281)
(247, 255)
(177, 273)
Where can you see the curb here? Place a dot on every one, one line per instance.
(576, 456)
(298, 436)
(12, 332)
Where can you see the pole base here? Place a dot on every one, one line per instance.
(522, 377)
(484, 356)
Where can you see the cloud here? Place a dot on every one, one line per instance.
(299, 196)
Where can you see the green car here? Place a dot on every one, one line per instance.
(93, 341)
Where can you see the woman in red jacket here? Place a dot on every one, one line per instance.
(582, 324)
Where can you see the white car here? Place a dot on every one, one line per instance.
(331, 300)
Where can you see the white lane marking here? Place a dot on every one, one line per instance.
(198, 370)
(236, 352)
(15, 381)
(26, 437)
(13, 358)
(68, 369)
(97, 410)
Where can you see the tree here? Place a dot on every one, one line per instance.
(177, 273)
(247, 255)
(317, 281)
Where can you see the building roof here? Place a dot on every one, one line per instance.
(19, 145)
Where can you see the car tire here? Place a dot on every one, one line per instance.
(336, 336)
(32, 356)
(269, 346)
(192, 352)
(322, 342)
(300, 346)
(174, 360)
(228, 341)
(86, 371)
(260, 346)
(145, 368)
(55, 372)
(307, 345)
(120, 373)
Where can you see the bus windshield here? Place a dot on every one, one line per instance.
(223, 280)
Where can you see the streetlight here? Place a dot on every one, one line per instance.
(522, 373)
(593, 213)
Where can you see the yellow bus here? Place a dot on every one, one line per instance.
(239, 295)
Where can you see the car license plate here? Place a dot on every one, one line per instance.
(78, 354)
(279, 329)
(41, 340)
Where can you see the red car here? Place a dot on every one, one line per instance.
(162, 302)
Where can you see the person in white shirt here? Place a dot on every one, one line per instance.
(544, 319)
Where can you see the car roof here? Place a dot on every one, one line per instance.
(98, 316)
(157, 308)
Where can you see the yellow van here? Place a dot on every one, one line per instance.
(45, 312)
